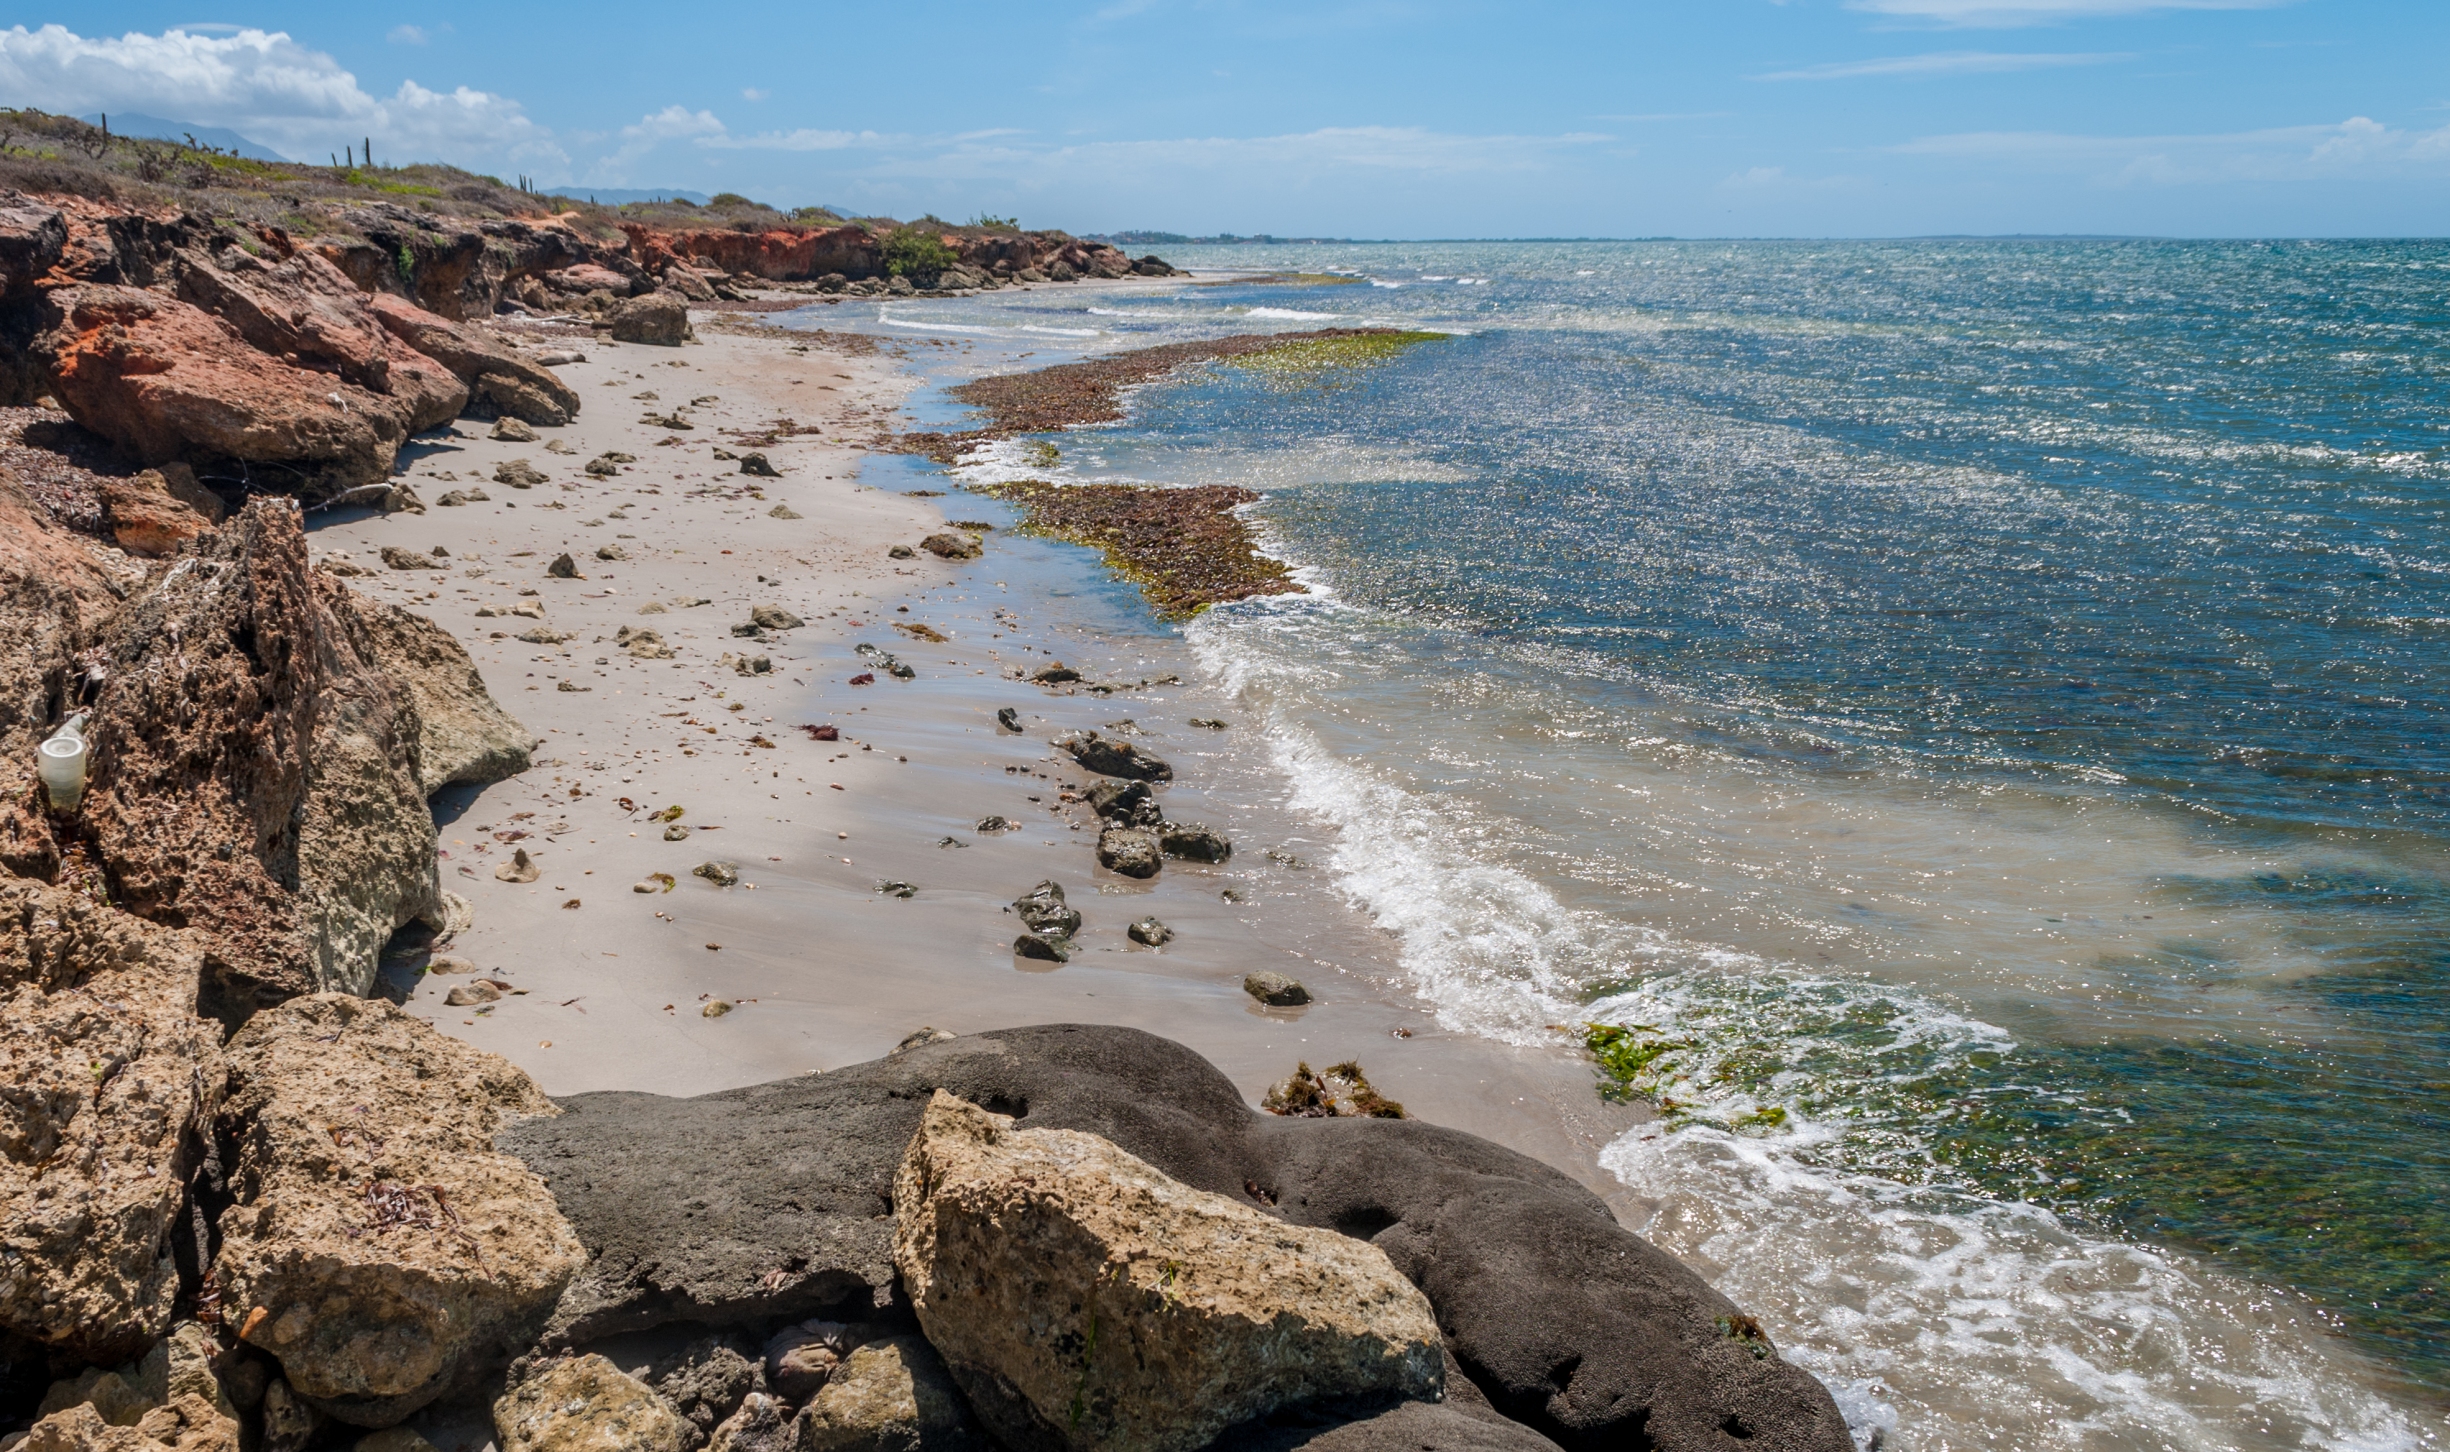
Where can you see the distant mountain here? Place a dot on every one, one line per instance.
(154, 128)
(615, 196)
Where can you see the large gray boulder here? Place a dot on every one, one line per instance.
(775, 1201)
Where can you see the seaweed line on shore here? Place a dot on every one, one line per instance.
(1186, 548)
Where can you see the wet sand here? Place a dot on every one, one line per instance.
(823, 968)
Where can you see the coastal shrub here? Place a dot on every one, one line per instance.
(917, 254)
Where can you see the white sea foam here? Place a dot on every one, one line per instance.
(1290, 315)
(1940, 1319)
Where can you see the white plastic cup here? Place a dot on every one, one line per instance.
(60, 763)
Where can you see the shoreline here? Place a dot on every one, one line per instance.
(609, 984)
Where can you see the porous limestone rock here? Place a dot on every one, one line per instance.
(146, 518)
(1129, 851)
(378, 1245)
(188, 1424)
(473, 355)
(1084, 1299)
(108, 1070)
(890, 1395)
(463, 736)
(660, 318)
(586, 1404)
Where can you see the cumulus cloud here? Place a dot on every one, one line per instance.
(300, 102)
(2002, 13)
(1944, 63)
(2358, 147)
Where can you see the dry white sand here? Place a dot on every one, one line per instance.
(824, 969)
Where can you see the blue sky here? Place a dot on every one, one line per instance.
(1386, 118)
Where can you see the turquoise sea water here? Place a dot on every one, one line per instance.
(1979, 705)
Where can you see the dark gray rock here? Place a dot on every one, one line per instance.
(1193, 842)
(1109, 757)
(1129, 851)
(1276, 990)
(1043, 947)
(1047, 914)
(1121, 800)
(1149, 933)
(756, 464)
(1009, 719)
(771, 1202)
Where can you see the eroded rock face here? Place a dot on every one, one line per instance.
(378, 1246)
(166, 380)
(1577, 1327)
(146, 518)
(463, 736)
(1084, 1298)
(585, 1404)
(33, 237)
(255, 769)
(107, 1073)
(302, 309)
(473, 355)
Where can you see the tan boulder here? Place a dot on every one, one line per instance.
(887, 1396)
(585, 1404)
(108, 1070)
(661, 318)
(188, 1424)
(164, 379)
(432, 394)
(1083, 1299)
(378, 1245)
(463, 735)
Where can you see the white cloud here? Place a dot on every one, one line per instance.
(300, 102)
(1944, 63)
(2357, 148)
(2002, 13)
(406, 35)
(752, 93)
(804, 139)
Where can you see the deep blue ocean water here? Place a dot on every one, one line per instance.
(1979, 703)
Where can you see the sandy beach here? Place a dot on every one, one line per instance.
(610, 984)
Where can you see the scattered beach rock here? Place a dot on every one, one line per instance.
(453, 498)
(520, 474)
(378, 1245)
(774, 617)
(1075, 1291)
(1042, 948)
(924, 1034)
(611, 552)
(676, 833)
(782, 511)
(544, 635)
(644, 644)
(1194, 843)
(563, 568)
(721, 874)
(1211, 723)
(901, 552)
(753, 665)
(989, 826)
(1125, 801)
(467, 995)
(951, 546)
(902, 890)
(511, 431)
(756, 465)
(1131, 851)
(1342, 1092)
(520, 868)
(1150, 933)
(1278, 991)
(1053, 675)
(586, 1404)
(888, 1394)
(1109, 757)
(715, 1008)
(449, 965)
(1009, 719)
(1045, 911)
(400, 559)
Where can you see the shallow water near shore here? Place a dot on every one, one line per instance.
(1966, 704)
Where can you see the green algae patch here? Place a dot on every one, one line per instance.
(1307, 360)
(1186, 549)
(1090, 391)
